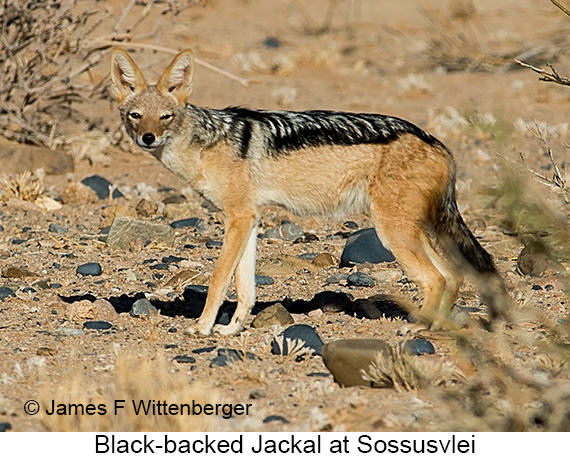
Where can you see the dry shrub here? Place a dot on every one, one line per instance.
(405, 372)
(458, 41)
(49, 51)
(26, 186)
(135, 378)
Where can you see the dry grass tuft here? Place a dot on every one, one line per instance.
(26, 186)
(135, 378)
(458, 41)
(405, 372)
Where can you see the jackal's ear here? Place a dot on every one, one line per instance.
(177, 78)
(126, 78)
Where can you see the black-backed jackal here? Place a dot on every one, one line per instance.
(311, 162)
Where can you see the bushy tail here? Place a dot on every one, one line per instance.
(470, 256)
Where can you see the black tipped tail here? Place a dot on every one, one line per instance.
(471, 257)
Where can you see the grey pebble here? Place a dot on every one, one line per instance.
(89, 269)
(142, 307)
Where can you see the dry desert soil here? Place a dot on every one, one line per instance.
(448, 67)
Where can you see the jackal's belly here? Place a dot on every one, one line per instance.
(313, 186)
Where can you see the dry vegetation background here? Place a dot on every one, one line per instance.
(448, 66)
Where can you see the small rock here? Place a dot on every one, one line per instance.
(535, 259)
(256, 394)
(273, 315)
(5, 426)
(184, 359)
(78, 194)
(127, 230)
(89, 269)
(325, 260)
(261, 280)
(364, 246)
(307, 334)
(146, 208)
(360, 279)
(6, 292)
(174, 199)
(275, 418)
(178, 210)
(271, 42)
(350, 225)
(54, 228)
(46, 351)
(101, 187)
(112, 211)
(285, 232)
(97, 325)
(336, 279)
(99, 309)
(346, 358)
(12, 271)
(66, 331)
(190, 222)
(418, 347)
(204, 350)
(228, 356)
(142, 308)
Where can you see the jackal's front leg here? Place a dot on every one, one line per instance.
(245, 287)
(239, 229)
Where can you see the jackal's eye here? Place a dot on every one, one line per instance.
(135, 115)
(166, 116)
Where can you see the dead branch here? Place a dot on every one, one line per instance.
(551, 76)
(557, 180)
(130, 45)
(561, 8)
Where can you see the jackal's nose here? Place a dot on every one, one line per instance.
(148, 138)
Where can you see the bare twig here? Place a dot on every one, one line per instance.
(557, 180)
(552, 77)
(560, 7)
(131, 45)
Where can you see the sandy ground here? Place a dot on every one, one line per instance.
(395, 58)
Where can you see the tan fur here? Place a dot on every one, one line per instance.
(398, 183)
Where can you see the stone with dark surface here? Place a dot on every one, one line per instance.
(126, 230)
(346, 358)
(364, 246)
(360, 279)
(228, 356)
(101, 186)
(6, 292)
(307, 334)
(418, 346)
(97, 325)
(89, 269)
(184, 359)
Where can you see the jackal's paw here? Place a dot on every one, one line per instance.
(410, 330)
(227, 330)
(196, 330)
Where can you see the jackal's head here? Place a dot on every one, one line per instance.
(151, 113)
